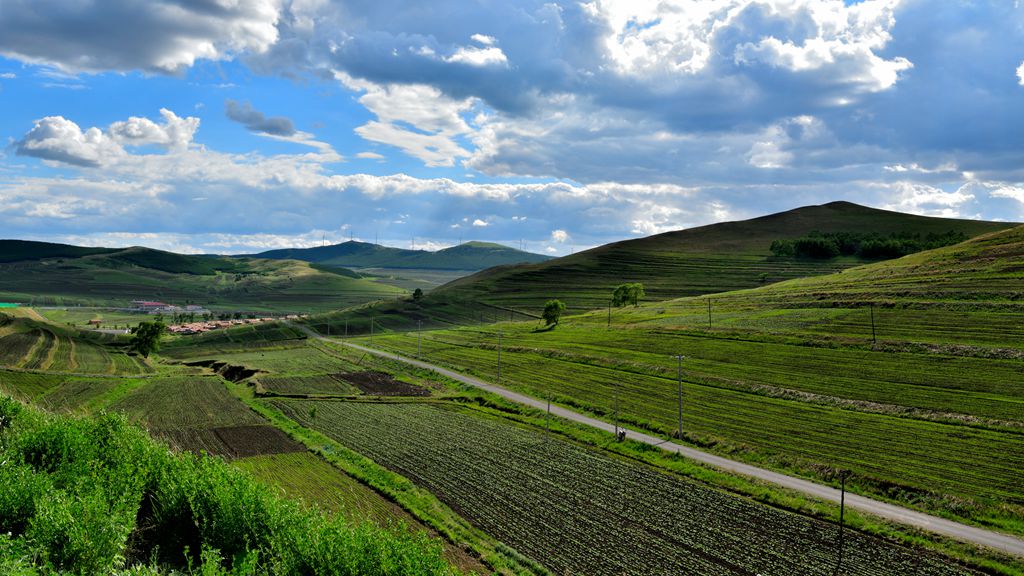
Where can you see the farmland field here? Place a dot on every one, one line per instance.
(306, 476)
(170, 403)
(231, 441)
(744, 399)
(29, 343)
(612, 516)
(27, 385)
(81, 316)
(326, 384)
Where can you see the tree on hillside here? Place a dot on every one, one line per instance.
(552, 312)
(147, 337)
(417, 295)
(629, 293)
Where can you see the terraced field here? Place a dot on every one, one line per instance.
(32, 344)
(612, 516)
(186, 402)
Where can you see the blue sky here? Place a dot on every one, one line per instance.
(244, 125)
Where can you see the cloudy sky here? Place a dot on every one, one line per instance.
(241, 125)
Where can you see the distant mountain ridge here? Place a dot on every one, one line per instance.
(60, 274)
(354, 254)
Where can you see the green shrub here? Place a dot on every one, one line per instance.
(98, 496)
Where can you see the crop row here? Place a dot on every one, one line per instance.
(318, 384)
(611, 516)
(185, 402)
(885, 451)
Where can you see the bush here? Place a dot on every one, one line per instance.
(98, 496)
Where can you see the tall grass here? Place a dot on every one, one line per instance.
(98, 496)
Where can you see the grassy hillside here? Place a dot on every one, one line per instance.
(17, 250)
(116, 277)
(465, 256)
(705, 260)
(27, 342)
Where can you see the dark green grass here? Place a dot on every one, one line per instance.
(96, 496)
(611, 516)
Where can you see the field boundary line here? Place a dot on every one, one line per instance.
(958, 531)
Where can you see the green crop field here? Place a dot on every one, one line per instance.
(790, 381)
(79, 316)
(185, 402)
(307, 477)
(611, 516)
(30, 343)
(28, 385)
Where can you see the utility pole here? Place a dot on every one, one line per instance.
(371, 330)
(609, 313)
(328, 328)
(616, 412)
(873, 340)
(346, 327)
(499, 358)
(419, 339)
(842, 508)
(679, 374)
(547, 420)
(709, 313)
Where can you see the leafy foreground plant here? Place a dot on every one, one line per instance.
(98, 496)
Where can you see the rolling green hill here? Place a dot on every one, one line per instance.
(60, 275)
(705, 260)
(465, 256)
(17, 250)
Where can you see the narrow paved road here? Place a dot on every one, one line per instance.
(962, 532)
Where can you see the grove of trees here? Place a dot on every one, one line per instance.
(629, 293)
(871, 245)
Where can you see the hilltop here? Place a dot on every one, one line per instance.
(353, 254)
(58, 274)
(703, 260)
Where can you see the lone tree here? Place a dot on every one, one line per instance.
(629, 293)
(147, 337)
(417, 295)
(552, 312)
